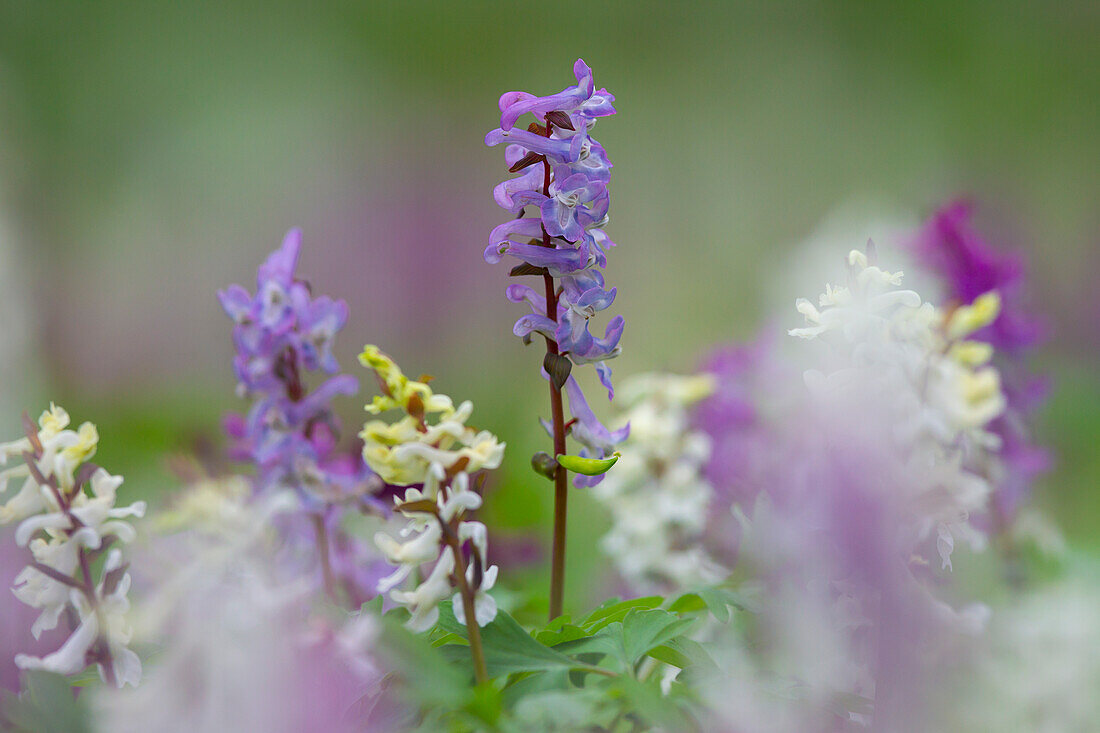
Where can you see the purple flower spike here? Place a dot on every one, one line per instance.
(529, 180)
(282, 333)
(321, 319)
(280, 264)
(588, 429)
(558, 261)
(591, 160)
(565, 151)
(566, 181)
(583, 348)
(560, 192)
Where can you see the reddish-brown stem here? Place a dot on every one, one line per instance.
(557, 414)
(473, 631)
(287, 370)
(561, 485)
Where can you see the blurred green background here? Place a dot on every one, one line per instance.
(153, 152)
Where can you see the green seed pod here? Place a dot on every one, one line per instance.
(588, 466)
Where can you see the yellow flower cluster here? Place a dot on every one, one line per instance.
(401, 452)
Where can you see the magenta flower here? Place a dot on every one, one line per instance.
(950, 246)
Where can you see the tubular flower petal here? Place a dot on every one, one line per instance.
(657, 496)
(971, 270)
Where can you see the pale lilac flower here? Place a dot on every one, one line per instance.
(239, 647)
(1036, 668)
(888, 353)
(582, 102)
(290, 434)
(845, 631)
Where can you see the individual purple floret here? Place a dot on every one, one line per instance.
(581, 102)
(950, 246)
(561, 184)
(290, 433)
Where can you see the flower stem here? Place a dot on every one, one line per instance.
(473, 631)
(561, 486)
(561, 479)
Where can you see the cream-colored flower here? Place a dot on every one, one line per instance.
(657, 495)
(61, 522)
(903, 362)
(432, 446)
(424, 542)
(398, 390)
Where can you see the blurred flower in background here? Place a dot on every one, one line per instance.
(949, 246)
(237, 643)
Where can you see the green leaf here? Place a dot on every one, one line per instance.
(507, 647)
(616, 610)
(566, 632)
(447, 637)
(629, 640)
(644, 630)
(716, 599)
(486, 704)
(588, 466)
(414, 661)
(568, 709)
(688, 603)
(684, 653)
(528, 683)
(645, 699)
(556, 624)
(47, 705)
(604, 642)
